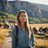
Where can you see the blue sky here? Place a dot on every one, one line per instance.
(36, 1)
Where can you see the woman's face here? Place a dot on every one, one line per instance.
(23, 17)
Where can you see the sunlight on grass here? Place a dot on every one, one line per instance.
(38, 36)
(39, 25)
(42, 43)
(3, 33)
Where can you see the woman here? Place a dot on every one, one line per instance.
(25, 33)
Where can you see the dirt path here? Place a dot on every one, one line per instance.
(7, 43)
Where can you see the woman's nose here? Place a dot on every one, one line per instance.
(24, 17)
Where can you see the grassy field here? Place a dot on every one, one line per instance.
(41, 42)
(39, 25)
(3, 33)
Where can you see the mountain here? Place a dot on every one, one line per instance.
(13, 7)
(41, 6)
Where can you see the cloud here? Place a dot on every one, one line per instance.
(35, 1)
(38, 1)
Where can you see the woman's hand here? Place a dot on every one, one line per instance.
(34, 46)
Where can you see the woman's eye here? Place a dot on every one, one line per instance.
(23, 16)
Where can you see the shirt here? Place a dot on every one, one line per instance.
(23, 38)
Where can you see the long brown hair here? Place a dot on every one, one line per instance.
(26, 23)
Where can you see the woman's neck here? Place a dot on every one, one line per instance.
(22, 25)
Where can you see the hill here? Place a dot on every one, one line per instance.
(36, 15)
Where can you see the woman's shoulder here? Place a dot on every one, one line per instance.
(14, 28)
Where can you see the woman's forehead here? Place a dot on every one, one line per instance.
(23, 14)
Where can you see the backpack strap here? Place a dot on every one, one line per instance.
(16, 35)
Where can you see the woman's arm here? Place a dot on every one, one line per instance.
(33, 38)
(13, 38)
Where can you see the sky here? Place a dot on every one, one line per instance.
(36, 1)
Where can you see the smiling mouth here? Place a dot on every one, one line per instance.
(23, 19)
